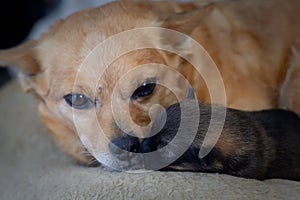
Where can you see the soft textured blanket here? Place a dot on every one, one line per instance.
(33, 167)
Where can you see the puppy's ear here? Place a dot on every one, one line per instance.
(21, 57)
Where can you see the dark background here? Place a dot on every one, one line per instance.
(16, 20)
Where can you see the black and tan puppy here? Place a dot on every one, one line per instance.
(261, 145)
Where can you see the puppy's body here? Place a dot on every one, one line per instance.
(250, 41)
(283, 128)
(261, 145)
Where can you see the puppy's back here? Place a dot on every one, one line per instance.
(283, 127)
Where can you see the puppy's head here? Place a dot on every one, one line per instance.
(89, 88)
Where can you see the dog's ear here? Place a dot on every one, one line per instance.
(21, 57)
(24, 58)
(178, 35)
(187, 22)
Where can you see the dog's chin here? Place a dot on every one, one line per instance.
(135, 163)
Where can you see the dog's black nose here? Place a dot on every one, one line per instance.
(123, 147)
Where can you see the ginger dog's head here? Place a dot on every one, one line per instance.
(90, 88)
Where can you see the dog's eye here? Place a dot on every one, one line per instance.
(145, 89)
(78, 101)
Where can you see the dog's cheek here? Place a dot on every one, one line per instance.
(64, 135)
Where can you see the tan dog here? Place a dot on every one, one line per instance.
(251, 43)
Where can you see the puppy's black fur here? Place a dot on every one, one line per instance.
(261, 145)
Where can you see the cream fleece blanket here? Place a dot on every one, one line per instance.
(32, 167)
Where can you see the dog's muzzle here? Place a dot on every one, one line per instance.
(136, 155)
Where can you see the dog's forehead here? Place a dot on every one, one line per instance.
(69, 42)
(70, 71)
(130, 70)
(106, 20)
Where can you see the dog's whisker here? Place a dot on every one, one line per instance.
(93, 162)
(85, 153)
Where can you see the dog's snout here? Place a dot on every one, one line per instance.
(123, 147)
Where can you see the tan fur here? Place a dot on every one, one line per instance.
(290, 89)
(250, 41)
